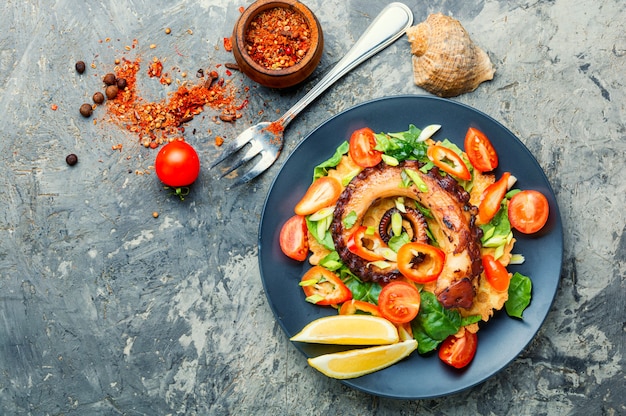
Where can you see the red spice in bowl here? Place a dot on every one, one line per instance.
(277, 43)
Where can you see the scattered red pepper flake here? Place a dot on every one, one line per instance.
(156, 122)
(155, 68)
(228, 44)
(54, 107)
(242, 9)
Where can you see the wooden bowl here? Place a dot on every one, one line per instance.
(283, 77)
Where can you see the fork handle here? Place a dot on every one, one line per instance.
(386, 28)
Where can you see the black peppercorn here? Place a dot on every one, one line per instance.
(86, 110)
(80, 67)
(111, 92)
(98, 98)
(71, 159)
(121, 83)
(109, 79)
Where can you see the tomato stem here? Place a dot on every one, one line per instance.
(181, 191)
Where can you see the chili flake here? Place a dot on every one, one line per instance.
(278, 38)
(156, 122)
(228, 44)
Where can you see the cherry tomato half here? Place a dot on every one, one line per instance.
(323, 287)
(365, 245)
(491, 199)
(448, 161)
(358, 307)
(528, 211)
(422, 263)
(362, 144)
(322, 193)
(293, 238)
(480, 151)
(497, 275)
(399, 302)
(177, 164)
(459, 352)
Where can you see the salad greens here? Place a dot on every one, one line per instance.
(434, 323)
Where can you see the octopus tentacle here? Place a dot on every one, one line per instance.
(449, 205)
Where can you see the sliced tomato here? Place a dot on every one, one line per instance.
(420, 262)
(528, 211)
(491, 199)
(399, 302)
(362, 148)
(358, 307)
(459, 352)
(497, 275)
(323, 287)
(480, 151)
(293, 238)
(322, 193)
(448, 161)
(366, 246)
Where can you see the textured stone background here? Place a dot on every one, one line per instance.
(107, 310)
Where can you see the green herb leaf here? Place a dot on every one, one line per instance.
(402, 145)
(350, 220)
(434, 323)
(322, 169)
(365, 291)
(520, 290)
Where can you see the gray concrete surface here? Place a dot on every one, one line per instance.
(107, 310)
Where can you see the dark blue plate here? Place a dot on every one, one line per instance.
(502, 338)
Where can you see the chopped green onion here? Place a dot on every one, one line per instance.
(499, 252)
(322, 213)
(415, 177)
(381, 264)
(428, 132)
(396, 223)
(517, 259)
(389, 254)
(309, 282)
(489, 233)
(314, 298)
(370, 230)
(390, 160)
(496, 241)
(345, 180)
(399, 202)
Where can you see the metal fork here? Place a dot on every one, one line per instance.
(266, 138)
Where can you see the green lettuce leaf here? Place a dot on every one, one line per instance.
(520, 290)
(322, 169)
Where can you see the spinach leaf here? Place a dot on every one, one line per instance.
(322, 169)
(365, 291)
(434, 323)
(520, 289)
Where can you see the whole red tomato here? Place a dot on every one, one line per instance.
(177, 164)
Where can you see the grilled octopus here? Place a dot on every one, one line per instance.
(450, 207)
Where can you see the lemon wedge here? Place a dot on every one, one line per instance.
(356, 363)
(349, 330)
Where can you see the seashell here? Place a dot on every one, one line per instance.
(445, 60)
